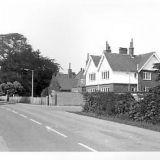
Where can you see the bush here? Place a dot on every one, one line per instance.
(124, 106)
(107, 103)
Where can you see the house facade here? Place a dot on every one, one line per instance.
(121, 72)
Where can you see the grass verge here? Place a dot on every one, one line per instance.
(145, 125)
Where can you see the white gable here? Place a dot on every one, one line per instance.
(91, 68)
(104, 66)
(149, 65)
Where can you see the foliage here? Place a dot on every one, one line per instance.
(124, 105)
(11, 88)
(44, 92)
(17, 65)
(100, 103)
(11, 43)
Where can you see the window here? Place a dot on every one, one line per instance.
(133, 89)
(83, 81)
(135, 75)
(105, 75)
(105, 89)
(92, 76)
(146, 75)
(146, 89)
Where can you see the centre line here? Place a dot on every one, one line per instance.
(22, 115)
(53, 130)
(89, 148)
(35, 121)
(14, 112)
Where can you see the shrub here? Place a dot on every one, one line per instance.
(125, 106)
(107, 103)
(123, 103)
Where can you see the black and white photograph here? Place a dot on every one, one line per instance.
(80, 77)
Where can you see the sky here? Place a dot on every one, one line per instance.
(66, 30)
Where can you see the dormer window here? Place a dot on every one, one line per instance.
(146, 75)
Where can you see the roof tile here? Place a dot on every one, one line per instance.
(123, 62)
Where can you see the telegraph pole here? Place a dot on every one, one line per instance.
(32, 82)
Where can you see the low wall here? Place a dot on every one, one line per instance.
(69, 98)
(61, 99)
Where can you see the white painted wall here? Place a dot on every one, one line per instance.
(124, 77)
(114, 76)
(149, 65)
(91, 69)
(104, 67)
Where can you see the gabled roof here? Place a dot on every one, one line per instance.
(124, 62)
(62, 75)
(80, 74)
(95, 59)
(66, 83)
(62, 81)
(142, 59)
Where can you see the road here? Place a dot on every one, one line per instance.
(35, 128)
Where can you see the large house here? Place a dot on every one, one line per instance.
(121, 72)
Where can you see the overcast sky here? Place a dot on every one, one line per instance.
(67, 30)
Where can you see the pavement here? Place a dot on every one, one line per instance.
(27, 127)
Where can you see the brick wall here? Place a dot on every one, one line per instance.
(110, 86)
(147, 83)
(123, 87)
(115, 87)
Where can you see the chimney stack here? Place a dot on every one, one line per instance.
(69, 71)
(131, 48)
(87, 58)
(122, 50)
(108, 48)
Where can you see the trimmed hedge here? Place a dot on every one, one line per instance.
(124, 105)
(107, 103)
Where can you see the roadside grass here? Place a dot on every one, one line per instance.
(145, 125)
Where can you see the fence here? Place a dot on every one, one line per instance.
(61, 99)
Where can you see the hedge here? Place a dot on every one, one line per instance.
(124, 105)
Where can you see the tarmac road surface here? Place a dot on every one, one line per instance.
(26, 127)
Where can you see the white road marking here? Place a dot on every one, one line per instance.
(35, 121)
(89, 148)
(53, 130)
(22, 115)
(14, 112)
(7, 109)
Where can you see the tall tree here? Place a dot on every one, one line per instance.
(17, 64)
(11, 43)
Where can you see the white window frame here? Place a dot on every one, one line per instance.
(92, 76)
(104, 89)
(105, 75)
(146, 75)
(134, 89)
(146, 89)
